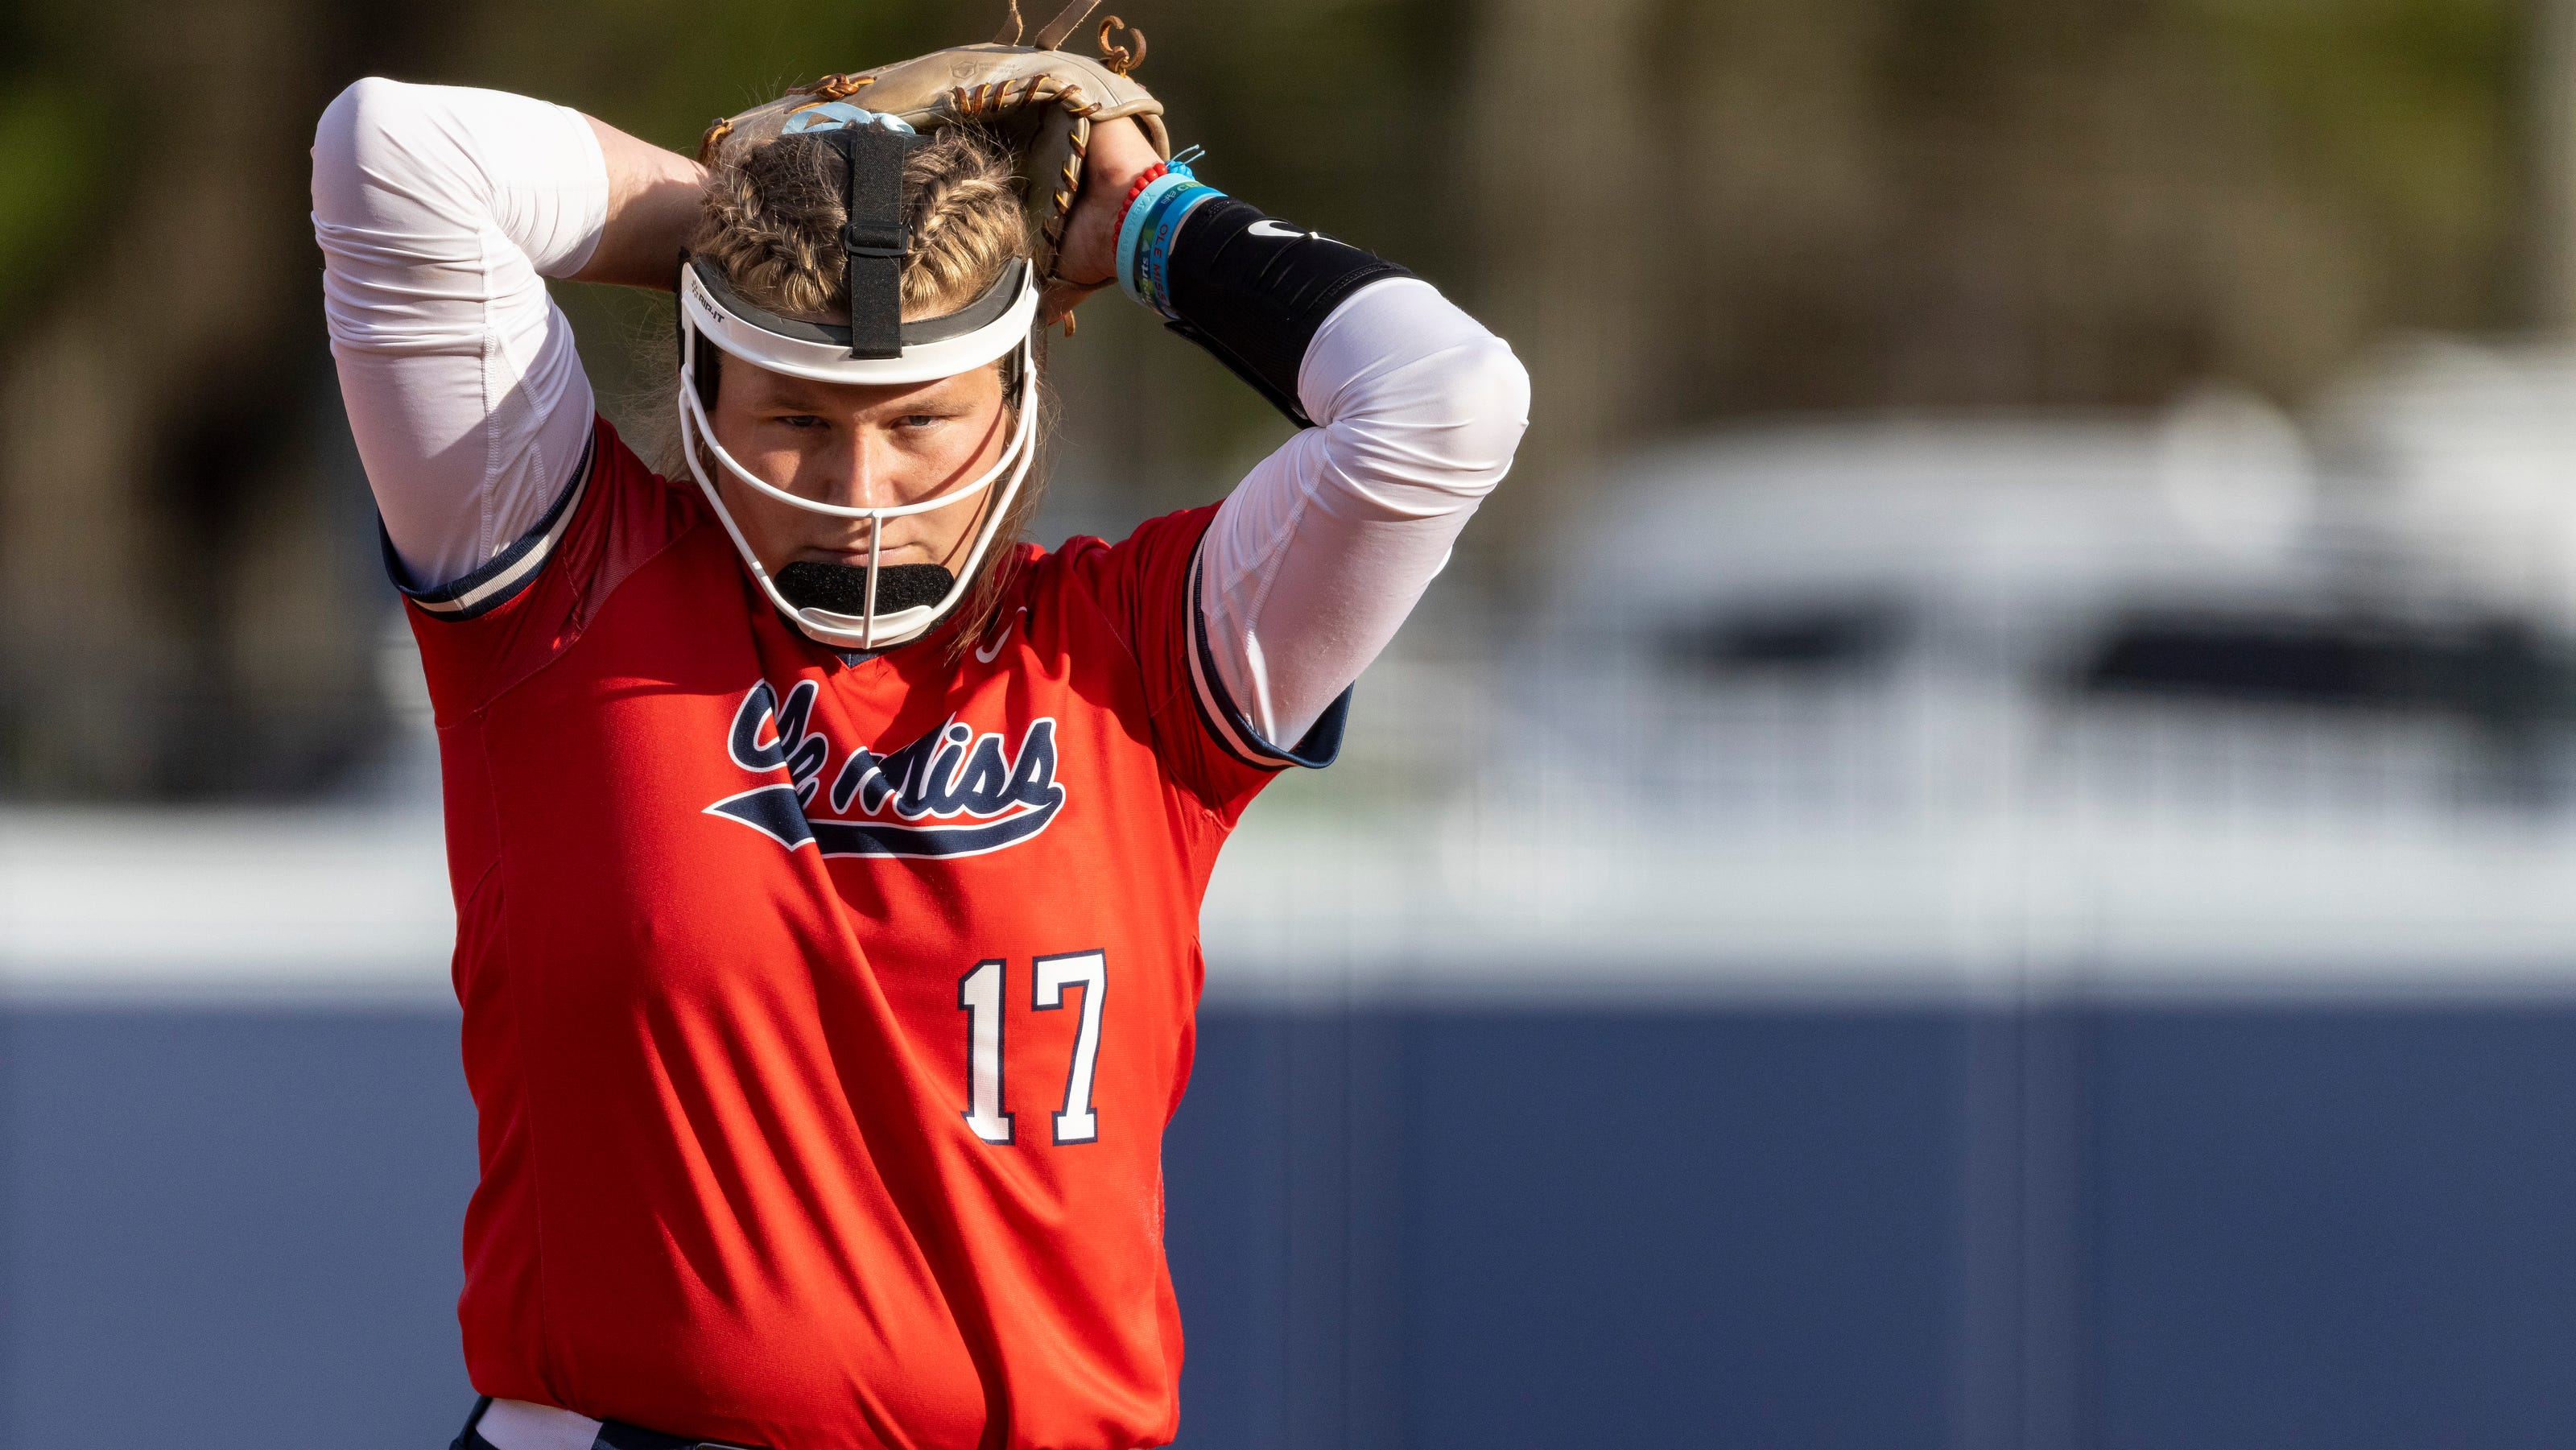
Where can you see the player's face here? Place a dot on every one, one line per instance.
(872, 446)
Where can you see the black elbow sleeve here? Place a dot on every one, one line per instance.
(1253, 292)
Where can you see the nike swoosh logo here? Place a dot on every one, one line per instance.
(1268, 228)
(986, 655)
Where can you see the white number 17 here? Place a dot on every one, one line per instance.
(980, 996)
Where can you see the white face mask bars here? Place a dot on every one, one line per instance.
(868, 630)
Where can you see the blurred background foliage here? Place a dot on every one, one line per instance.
(1677, 212)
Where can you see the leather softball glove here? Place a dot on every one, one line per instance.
(1037, 100)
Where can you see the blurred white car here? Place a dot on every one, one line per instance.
(1889, 621)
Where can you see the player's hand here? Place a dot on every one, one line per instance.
(1088, 257)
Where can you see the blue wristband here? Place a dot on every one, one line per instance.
(1154, 259)
(1132, 230)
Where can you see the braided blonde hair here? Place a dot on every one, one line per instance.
(771, 219)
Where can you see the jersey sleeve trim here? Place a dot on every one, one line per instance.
(1320, 746)
(497, 580)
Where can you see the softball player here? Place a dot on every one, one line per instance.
(827, 859)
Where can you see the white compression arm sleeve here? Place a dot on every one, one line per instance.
(1325, 546)
(441, 211)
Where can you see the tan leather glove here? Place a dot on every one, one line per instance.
(1036, 99)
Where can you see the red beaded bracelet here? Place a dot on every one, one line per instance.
(1144, 179)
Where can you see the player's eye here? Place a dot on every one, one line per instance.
(801, 420)
(919, 420)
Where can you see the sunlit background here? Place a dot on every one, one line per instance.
(1978, 849)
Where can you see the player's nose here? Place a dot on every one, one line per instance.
(855, 471)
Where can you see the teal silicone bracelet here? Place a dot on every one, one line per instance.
(1131, 233)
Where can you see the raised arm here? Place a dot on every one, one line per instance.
(440, 212)
(1324, 548)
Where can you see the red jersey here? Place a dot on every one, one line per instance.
(823, 1013)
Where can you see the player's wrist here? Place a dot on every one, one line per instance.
(1087, 256)
(1159, 204)
(1118, 154)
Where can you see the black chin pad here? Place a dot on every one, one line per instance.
(843, 588)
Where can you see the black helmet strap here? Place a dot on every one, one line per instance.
(874, 239)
